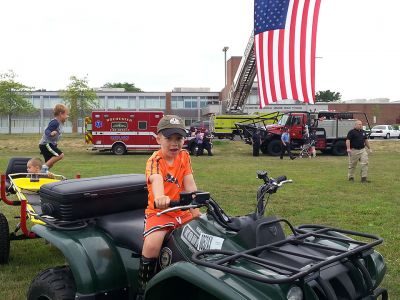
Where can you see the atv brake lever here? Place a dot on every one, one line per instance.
(283, 182)
(183, 207)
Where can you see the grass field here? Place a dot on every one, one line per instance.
(320, 194)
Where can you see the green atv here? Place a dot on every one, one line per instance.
(213, 257)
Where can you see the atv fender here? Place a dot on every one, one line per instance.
(92, 257)
(185, 280)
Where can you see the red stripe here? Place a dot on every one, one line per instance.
(313, 45)
(271, 65)
(303, 42)
(258, 74)
(281, 64)
(261, 56)
(291, 49)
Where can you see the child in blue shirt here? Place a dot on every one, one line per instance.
(51, 136)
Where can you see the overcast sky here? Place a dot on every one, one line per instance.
(160, 44)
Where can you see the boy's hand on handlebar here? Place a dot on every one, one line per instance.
(162, 202)
(195, 212)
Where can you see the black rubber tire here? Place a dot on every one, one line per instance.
(194, 148)
(4, 240)
(387, 136)
(119, 149)
(371, 137)
(264, 148)
(274, 148)
(339, 148)
(53, 284)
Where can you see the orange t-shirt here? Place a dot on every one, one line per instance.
(172, 176)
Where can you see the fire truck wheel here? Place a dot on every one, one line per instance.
(274, 147)
(4, 240)
(119, 149)
(339, 149)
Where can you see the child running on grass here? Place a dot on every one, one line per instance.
(51, 136)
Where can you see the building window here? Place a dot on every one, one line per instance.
(177, 102)
(142, 125)
(253, 99)
(118, 102)
(190, 102)
(51, 101)
(34, 100)
(152, 102)
(101, 100)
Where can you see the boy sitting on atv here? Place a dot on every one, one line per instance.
(168, 173)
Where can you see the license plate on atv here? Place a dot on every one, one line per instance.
(197, 240)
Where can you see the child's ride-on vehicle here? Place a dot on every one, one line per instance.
(26, 187)
(212, 257)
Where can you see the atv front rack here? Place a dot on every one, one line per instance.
(256, 264)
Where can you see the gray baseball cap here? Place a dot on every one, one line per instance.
(171, 124)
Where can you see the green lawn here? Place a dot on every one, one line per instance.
(320, 194)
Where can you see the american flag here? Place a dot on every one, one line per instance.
(284, 39)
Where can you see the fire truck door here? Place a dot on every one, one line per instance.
(297, 127)
(143, 124)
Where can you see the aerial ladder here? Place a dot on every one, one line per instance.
(243, 81)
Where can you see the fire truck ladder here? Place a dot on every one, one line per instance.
(243, 80)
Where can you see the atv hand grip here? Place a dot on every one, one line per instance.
(175, 203)
(172, 203)
(280, 179)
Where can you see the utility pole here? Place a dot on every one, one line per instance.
(224, 50)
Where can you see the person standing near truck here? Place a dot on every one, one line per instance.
(356, 142)
(285, 143)
(256, 139)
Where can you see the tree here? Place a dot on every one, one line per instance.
(129, 87)
(13, 97)
(80, 99)
(327, 96)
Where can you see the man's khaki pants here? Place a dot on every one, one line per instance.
(358, 155)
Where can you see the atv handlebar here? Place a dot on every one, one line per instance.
(187, 201)
(280, 179)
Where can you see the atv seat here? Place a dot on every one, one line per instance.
(126, 228)
(15, 165)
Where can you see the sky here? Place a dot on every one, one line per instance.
(159, 45)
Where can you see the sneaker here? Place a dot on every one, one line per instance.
(351, 179)
(292, 157)
(364, 180)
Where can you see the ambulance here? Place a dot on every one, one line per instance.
(122, 131)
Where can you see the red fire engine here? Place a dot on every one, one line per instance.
(122, 131)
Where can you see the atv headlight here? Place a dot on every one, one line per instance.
(295, 293)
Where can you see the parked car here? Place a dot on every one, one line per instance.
(384, 131)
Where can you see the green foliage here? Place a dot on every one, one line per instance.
(327, 96)
(13, 97)
(80, 99)
(129, 87)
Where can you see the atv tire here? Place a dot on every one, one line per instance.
(53, 284)
(339, 149)
(4, 240)
(274, 148)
